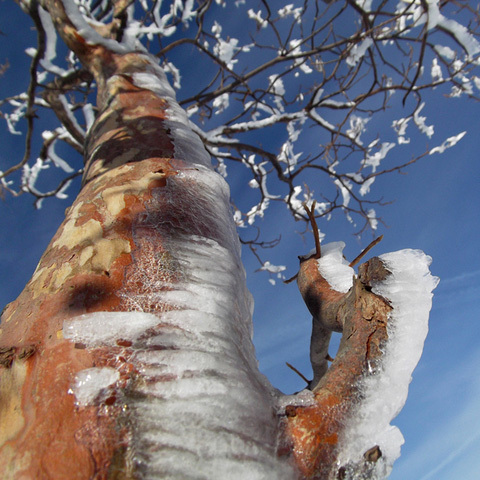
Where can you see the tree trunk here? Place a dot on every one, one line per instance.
(151, 231)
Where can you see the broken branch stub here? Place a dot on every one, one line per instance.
(316, 236)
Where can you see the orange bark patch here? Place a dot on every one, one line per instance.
(52, 434)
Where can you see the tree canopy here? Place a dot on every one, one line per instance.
(293, 98)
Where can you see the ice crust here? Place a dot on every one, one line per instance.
(334, 268)
(199, 406)
(105, 329)
(384, 392)
(89, 383)
(188, 146)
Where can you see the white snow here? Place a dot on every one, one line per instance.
(171, 69)
(358, 125)
(68, 110)
(221, 103)
(458, 31)
(305, 398)
(448, 143)
(188, 146)
(89, 115)
(290, 10)
(365, 5)
(50, 139)
(384, 391)
(257, 16)
(226, 50)
(277, 88)
(344, 186)
(419, 120)
(320, 120)
(357, 51)
(296, 51)
(58, 161)
(334, 268)
(436, 71)
(372, 218)
(365, 188)
(269, 267)
(30, 174)
(257, 210)
(89, 383)
(444, 51)
(61, 193)
(476, 81)
(16, 115)
(96, 330)
(400, 127)
(373, 160)
(216, 29)
(51, 40)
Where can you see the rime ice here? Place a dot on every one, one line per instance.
(106, 328)
(89, 383)
(408, 289)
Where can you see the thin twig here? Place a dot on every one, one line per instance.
(298, 373)
(318, 248)
(311, 216)
(365, 251)
(291, 279)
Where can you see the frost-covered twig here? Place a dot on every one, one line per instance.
(285, 77)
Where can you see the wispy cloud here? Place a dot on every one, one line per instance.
(452, 399)
(460, 278)
(458, 290)
(452, 457)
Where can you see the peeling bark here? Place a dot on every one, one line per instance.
(89, 266)
(86, 268)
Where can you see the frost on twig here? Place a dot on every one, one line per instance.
(281, 74)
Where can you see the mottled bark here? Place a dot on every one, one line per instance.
(92, 264)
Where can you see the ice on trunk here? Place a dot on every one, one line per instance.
(91, 382)
(383, 393)
(198, 404)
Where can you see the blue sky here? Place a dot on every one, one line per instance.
(435, 209)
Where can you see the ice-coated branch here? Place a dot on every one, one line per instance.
(308, 80)
(345, 431)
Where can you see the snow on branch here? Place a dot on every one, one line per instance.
(383, 315)
(280, 83)
(408, 289)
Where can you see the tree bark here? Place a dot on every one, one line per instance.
(315, 432)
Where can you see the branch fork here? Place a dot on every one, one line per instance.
(315, 432)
